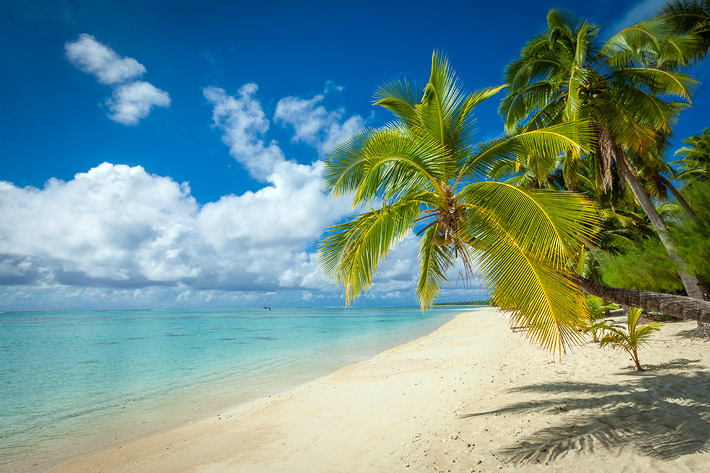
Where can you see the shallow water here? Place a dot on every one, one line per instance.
(73, 382)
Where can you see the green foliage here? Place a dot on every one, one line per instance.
(597, 311)
(644, 263)
(693, 240)
(628, 338)
(598, 308)
(695, 164)
(690, 17)
(640, 265)
(424, 173)
(632, 89)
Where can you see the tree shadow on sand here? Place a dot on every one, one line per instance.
(663, 412)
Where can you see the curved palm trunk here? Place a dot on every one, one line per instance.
(678, 306)
(690, 282)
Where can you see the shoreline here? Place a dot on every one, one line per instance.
(199, 402)
(470, 396)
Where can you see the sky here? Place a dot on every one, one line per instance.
(167, 154)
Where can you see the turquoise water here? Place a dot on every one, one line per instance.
(72, 382)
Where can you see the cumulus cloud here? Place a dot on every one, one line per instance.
(243, 122)
(119, 226)
(120, 235)
(132, 100)
(99, 60)
(313, 124)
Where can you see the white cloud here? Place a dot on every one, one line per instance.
(243, 121)
(313, 124)
(637, 13)
(119, 235)
(120, 226)
(132, 102)
(101, 61)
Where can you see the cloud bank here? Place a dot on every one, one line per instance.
(132, 100)
(120, 236)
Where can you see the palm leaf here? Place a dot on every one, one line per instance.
(350, 252)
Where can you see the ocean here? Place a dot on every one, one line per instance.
(75, 382)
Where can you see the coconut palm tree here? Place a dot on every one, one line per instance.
(695, 164)
(423, 175)
(690, 17)
(620, 85)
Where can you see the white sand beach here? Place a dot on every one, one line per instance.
(471, 396)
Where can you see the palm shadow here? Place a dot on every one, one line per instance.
(659, 413)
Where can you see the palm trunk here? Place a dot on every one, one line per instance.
(681, 200)
(635, 356)
(690, 282)
(682, 307)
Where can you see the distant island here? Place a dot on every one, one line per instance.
(464, 303)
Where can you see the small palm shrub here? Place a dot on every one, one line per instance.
(597, 311)
(628, 338)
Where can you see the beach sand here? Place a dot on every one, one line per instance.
(471, 396)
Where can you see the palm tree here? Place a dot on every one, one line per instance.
(423, 175)
(567, 73)
(690, 17)
(695, 164)
(628, 338)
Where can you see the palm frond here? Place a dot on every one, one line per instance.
(575, 137)
(657, 81)
(351, 252)
(434, 260)
(534, 293)
(398, 97)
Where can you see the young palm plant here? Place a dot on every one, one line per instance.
(597, 311)
(629, 338)
(423, 175)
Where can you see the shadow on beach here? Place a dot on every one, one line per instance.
(663, 413)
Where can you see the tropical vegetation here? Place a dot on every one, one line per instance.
(628, 338)
(631, 88)
(695, 162)
(586, 120)
(424, 175)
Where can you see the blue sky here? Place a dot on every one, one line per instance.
(166, 153)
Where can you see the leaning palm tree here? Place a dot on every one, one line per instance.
(423, 176)
(621, 85)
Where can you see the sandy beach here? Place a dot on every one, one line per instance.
(471, 396)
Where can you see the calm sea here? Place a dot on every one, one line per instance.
(74, 382)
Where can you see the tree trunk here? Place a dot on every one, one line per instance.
(681, 200)
(690, 282)
(635, 356)
(678, 306)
